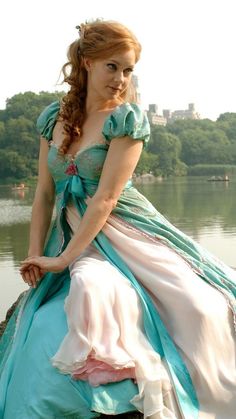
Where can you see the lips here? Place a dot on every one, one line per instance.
(114, 89)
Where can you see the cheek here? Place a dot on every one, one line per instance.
(103, 77)
(98, 79)
(127, 81)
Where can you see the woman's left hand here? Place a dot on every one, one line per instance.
(45, 264)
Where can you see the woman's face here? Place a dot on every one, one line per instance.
(110, 77)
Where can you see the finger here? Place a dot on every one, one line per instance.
(25, 267)
(28, 266)
(33, 278)
(25, 261)
(23, 276)
(36, 270)
(30, 260)
(37, 274)
(33, 274)
(42, 272)
(27, 278)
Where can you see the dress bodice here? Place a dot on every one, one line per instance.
(89, 162)
(126, 119)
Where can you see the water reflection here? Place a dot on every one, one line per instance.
(15, 211)
(14, 242)
(20, 193)
(195, 203)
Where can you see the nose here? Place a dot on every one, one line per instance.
(119, 77)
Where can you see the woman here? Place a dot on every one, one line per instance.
(125, 312)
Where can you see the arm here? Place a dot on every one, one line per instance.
(41, 215)
(43, 204)
(121, 160)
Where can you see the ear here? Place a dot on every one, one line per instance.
(87, 63)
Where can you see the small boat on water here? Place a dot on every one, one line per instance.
(224, 178)
(19, 187)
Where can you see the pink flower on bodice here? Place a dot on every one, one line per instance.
(72, 169)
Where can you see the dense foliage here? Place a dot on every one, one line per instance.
(182, 147)
(196, 147)
(19, 139)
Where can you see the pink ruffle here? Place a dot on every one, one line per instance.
(98, 372)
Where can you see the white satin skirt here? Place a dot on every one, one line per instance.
(106, 341)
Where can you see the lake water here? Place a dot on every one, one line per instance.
(204, 210)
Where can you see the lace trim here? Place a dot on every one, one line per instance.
(80, 151)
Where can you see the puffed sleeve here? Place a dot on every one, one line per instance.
(47, 119)
(127, 119)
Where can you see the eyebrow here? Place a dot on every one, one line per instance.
(117, 62)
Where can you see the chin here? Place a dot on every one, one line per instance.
(114, 94)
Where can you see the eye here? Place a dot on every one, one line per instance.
(128, 70)
(111, 66)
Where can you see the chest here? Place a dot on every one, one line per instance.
(89, 162)
(91, 134)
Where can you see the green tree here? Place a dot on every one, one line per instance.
(204, 146)
(28, 104)
(167, 146)
(2, 133)
(12, 165)
(19, 139)
(227, 122)
(148, 163)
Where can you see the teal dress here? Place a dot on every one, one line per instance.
(29, 384)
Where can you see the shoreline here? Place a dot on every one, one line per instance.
(146, 178)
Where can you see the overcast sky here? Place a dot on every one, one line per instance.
(188, 48)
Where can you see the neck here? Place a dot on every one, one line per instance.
(95, 104)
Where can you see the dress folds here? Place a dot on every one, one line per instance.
(142, 320)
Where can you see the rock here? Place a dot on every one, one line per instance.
(3, 324)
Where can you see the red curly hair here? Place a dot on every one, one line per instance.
(98, 40)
